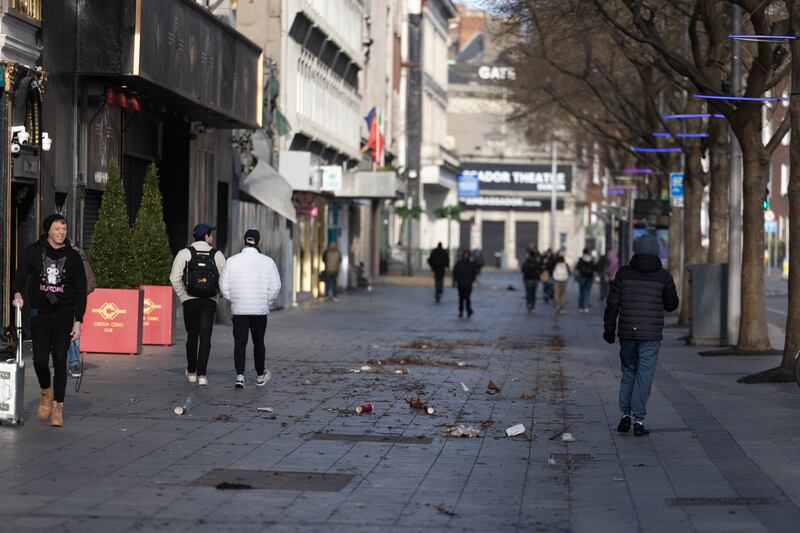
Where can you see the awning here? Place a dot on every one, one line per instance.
(265, 184)
(369, 185)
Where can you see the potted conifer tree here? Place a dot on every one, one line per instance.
(112, 323)
(151, 243)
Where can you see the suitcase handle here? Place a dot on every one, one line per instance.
(18, 316)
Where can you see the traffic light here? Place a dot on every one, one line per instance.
(766, 199)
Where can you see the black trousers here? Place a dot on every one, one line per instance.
(198, 316)
(256, 326)
(50, 334)
(439, 281)
(464, 295)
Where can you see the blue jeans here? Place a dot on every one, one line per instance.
(585, 293)
(638, 360)
(530, 291)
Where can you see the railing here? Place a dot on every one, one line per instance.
(29, 8)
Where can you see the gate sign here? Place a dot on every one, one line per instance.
(468, 186)
(676, 189)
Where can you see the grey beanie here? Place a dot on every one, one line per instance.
(646, 245)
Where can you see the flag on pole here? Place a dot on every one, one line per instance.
(374, 120)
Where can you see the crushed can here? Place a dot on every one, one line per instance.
(363, 409)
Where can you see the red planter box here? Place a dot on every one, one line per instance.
(113, 321)
(158, 315)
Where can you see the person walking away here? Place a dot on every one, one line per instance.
(531, 271)
(561, 274)
(333, 260)
(585, 270)
(464, 273)
(74, 365)
(195, 279)
(549, 263)
(252, 283)
(639, 295)
(439, 261)
(610, 269)
(53, 280)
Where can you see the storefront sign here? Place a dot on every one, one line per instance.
(532, 178)
(486, 72)
(306, 204)
(510, 202)
(158, 316)
(468, 186)
(112, 323)
(331, 178)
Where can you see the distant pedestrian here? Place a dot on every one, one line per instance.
(333, 261)
(585, 270)
(464, 273)
(252, 283)
(53, 281)
(531, 272)
(639, 295)
(548, 264)
(561, 274)
(439, 261)
(609, 270)
(195, 279)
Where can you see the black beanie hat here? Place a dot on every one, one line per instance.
(55, 217)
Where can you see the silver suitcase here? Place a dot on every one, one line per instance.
(12, 382)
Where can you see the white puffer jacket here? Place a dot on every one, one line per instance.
(251, 282)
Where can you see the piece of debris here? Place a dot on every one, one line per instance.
(401, 371)
(444, 510)
(416, 403)
(492, 388)
(551, 462)
(366, 368)
(233, 486)
(224, 418)
(183, 409)
(511, 288)
(466, 389)
(460, 431)
(264, 409)
(530, 396)
(486, 424)
(307, 382)
(517, 429)
(565, 428)
(461, 363)
(567, 437)
(375, 346)
(514, 379)
(355, 370)
(364, 409)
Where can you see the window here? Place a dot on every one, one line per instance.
(29, 8)
(784, 180)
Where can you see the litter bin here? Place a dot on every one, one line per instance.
(708, 304)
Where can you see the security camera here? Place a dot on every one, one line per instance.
(15, 148)
(47, 142)
(21, 134)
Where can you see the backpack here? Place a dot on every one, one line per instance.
(200, 275)
(585, 268)
(561, 272)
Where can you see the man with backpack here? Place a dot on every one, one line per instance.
(195, 279)
(252, 283)
(439, 261)
(561, 274)
(639, 295)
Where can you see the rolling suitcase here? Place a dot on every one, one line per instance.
(12, 382)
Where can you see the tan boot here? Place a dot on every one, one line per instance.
(57, 419)
(46, 403)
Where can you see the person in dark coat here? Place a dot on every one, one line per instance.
(531, 270)
(637, 299)
(439, 261)
(464, 273)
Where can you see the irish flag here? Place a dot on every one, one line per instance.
(374, 120)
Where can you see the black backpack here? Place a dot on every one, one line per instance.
(200, 275)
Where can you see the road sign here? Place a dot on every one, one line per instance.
(676, 188)
(769, 215)
(771, 226)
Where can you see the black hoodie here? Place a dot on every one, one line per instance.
(50, 278)
(639, 295)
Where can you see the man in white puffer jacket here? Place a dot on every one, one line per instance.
(251, 282)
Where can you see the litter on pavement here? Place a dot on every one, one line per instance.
(517, 429)
(460, 431)
(264, 409)
(416, 403)
(567, 437)
(492, 388)
(466, 389)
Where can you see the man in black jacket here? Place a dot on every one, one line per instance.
(639, 295)
(464, 273)
(531, 270)
(439, 261)
(52, 278)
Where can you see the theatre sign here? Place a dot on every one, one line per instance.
(493, 185)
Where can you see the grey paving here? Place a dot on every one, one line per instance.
(124, 461)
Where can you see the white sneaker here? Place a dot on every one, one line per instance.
(239, 381)
(191, 377)
(263, 378)
(202, 381)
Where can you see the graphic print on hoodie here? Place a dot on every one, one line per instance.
(53, 274)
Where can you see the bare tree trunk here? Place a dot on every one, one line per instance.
(675, 266)
(719, 152)
(753, 332)
(693, 201)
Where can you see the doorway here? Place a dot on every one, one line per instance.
(494, 236)
(527, 236)
(23, 231)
